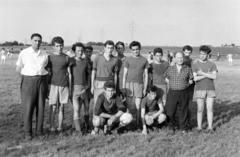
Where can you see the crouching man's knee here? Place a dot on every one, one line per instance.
(126, 118)
(161, 118)
(98, 121)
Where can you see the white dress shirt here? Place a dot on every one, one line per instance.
(32, 63)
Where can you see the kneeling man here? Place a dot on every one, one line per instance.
(109, 111)
(152, 108)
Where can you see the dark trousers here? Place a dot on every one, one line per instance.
(177, 100)
(33, 94)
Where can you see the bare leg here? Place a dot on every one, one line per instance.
(138, 114)
(52, 116)
(60, 116)
(210, 102)
(200, 103)
(76, 113)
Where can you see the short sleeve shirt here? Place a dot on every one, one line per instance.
(58, 65)
(151, 105)
(136, 67)
(105, 68)
(120, 71)
(158, 71)
(32, 63)
(178, 80)
(204, 84)
(80, 69)
(110, 107)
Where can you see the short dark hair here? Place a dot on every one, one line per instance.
(58, 40)
(77, 45)
(152, 88)
(135, 43)
(119, 43)
(36, 35)
(157, 50)
(175, 53)
(109, 84)
(89, 47)
(205, 49)
(108, 42)
(187, 47)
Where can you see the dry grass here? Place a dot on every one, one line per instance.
(225, 142)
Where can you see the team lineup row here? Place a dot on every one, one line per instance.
(126, 90)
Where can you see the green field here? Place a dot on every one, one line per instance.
(225, 142)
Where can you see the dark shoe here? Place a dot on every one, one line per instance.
(198, 130)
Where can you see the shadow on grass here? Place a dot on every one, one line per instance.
(223, 112)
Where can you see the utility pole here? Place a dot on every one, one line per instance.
(132, 30)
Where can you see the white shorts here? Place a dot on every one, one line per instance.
(3, 58)
(58, 94)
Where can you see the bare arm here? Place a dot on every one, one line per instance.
(197, 78)
(211, 75)
(125, 72)
(161, 109)
(145, 82)
(115, 80)
(93, 78)
(18, 70)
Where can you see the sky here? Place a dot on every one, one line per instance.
(151, 22)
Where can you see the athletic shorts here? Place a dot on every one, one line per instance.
(162, 91)
(98, 88)
(79, 91)
(58, 94)
(3, 58)
(202, 94)
(134, 89)
(190, 91)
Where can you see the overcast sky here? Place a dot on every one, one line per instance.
(152, 22)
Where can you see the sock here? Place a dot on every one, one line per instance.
(86, 119)
(77, 124)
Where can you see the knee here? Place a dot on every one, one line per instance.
(97, 121)
(161, 118)
(209, 109)
(126, 118)
(61, 108)
(200, 110)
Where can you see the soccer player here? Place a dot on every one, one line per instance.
(187, 50)
(81, 71)
(109, 111)
(60, 81)
(3, 56)
(204, 73)
(152, 109)
(230, 59)
(88, 54)
(179, 77)
(120, 48)
(158, 69)
(31, 65)
(135, 67)
(104, 69)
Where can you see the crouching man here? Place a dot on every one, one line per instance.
(109, 111)
(152, 109)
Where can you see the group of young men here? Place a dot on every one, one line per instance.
(122, 90)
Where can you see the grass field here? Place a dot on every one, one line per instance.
(225, 142)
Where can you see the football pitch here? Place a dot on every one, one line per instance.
(224, 142)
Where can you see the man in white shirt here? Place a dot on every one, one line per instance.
(31, 65)
(3, 56)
